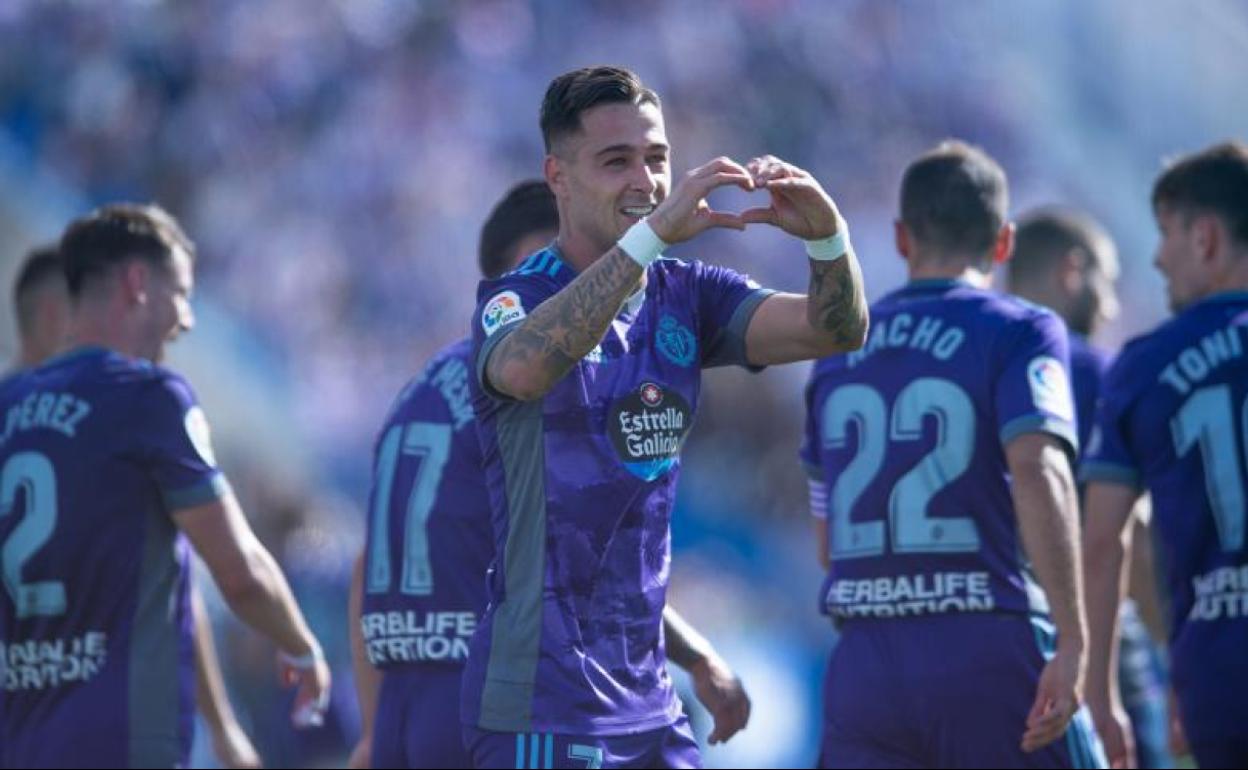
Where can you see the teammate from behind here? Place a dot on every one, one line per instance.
(105, 461)
(939, 454)
(1173, 421)
(417, 721)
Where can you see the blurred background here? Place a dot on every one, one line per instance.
(334, 161)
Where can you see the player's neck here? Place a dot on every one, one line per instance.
(926, 271)
(35, 351)
(1235, 279)
(578, 250)
(95, 326)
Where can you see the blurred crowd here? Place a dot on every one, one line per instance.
(334, 161)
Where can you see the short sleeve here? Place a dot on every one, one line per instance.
(1108, 456)
(726, 304)
(175, 444)
(1033, 391)
(502, 304)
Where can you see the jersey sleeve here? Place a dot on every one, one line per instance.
(502, 304)
(175, 445)
(1033, 392)
(726, 304)
(1108, 456)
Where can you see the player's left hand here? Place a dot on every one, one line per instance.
(799, 206)
(1058, 696)
(721, 692)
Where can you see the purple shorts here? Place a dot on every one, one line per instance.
(673, 746)
(418, 719)
(943, 691)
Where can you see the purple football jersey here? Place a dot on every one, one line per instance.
(1173, 420)
(430, 540)
(581, 486)
(909, 435)
(96, 667)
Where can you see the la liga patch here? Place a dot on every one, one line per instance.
(502, 309)
(1050, 387)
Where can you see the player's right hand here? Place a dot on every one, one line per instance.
(311, 674)
(685, 212)
(1114, 728)
(721, 692)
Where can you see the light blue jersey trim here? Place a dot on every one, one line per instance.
(1041, 423)
(212, 488)
(1100, 470)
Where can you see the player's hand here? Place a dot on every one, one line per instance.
(721, 692)
(799, 205)
(1058, 696)
(1177, 737)
(685, 212)
(361, 755)
(1114, 728)
(311, 674)
(233, 748)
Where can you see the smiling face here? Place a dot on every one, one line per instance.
(1178, 257)
(165, 312)
(610, 174)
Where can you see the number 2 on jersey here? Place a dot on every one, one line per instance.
(33, 473)
(430, 444)
(1206, 419)
(912, 531)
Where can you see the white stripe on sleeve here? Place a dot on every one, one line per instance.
(818, 499)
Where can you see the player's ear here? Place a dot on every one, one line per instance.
(901, 237)
(1205, 235)
(1072, 268)
(1004, 247)
(552, 169)
(135, 276)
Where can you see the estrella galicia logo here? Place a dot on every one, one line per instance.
(648, 428)
(675, 341)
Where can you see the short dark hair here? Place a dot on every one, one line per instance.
(528, 207)
(1045, 235)
(954, 198)
(572, 93)
(1212, 181)
(113, 234)
(41, 267)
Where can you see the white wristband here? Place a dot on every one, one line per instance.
(833, 247)
(641, 244)
(302, 662)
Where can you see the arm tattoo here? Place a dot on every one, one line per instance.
(561, 330)
(837, 303)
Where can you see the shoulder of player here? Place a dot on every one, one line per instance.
(423, 392)
(1142, 357)
(154, 378)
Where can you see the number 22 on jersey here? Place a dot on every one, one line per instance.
(912, 531)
